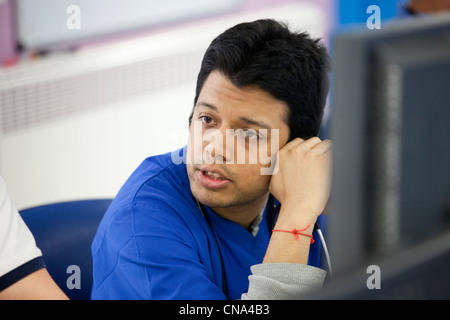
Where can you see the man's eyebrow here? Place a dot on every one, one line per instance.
(243, 119)
(204, 104)
(255, 123)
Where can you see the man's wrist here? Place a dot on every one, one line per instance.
(296, 216)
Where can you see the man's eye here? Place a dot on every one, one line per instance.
(206, 119)
(250, 133)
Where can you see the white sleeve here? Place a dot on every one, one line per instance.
(17, 244)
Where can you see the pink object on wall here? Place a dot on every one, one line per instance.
(8, 52)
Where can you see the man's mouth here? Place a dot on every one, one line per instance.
(212, 178)
(213, 175)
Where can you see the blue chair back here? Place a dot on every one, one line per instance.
(64, 233)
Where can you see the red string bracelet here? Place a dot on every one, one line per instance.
(296, 233)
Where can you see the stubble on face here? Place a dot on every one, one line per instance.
(225, 106)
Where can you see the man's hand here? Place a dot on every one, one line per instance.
(303, 180)
(302, 185)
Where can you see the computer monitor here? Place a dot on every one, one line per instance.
(390, 125)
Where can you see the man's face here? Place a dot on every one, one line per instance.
(234, 125)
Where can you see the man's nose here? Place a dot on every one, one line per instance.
(219, 147)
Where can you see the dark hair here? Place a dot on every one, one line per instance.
(292, 67)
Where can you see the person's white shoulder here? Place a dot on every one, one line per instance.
(17, 243)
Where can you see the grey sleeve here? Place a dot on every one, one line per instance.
(283, 281)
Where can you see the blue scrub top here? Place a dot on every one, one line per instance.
(154, 242)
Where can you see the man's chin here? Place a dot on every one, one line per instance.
(211, 198)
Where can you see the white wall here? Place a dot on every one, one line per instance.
(90, 154)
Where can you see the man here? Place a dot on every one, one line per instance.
(23, 275)
(200, 222)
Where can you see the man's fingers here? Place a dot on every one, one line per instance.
(300, 143)
(323, 147)
(311, 143)
(314, 144)
(305, 145)
(292, 144)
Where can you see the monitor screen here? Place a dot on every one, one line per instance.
(390, 125)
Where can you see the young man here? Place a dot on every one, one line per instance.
(240, 201)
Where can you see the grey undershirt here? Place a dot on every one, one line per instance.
(283, 281)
